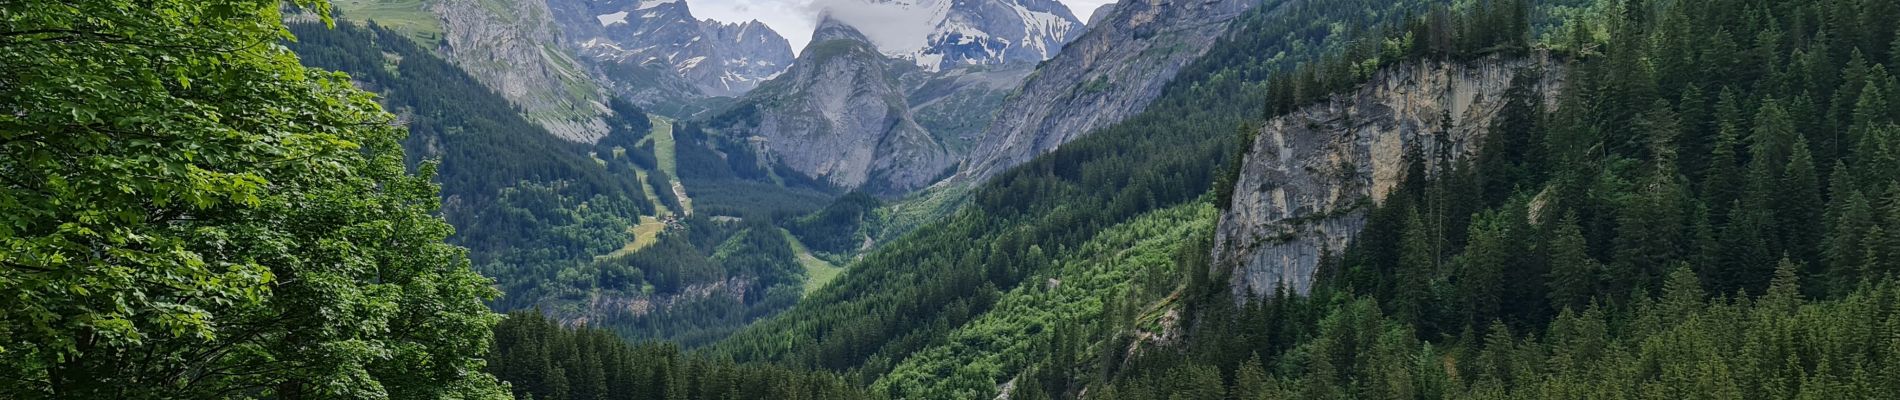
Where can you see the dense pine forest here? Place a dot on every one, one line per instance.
(192, 205)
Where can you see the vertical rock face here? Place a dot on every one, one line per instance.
(511, 48)
(717, 59)
(1311, 176)
(1108, 74)
(839, 115)
(943, 34)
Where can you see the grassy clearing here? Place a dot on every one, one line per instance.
(412, 17)
(818, 272)
(667, 155)
(645, 234)
(663, 145)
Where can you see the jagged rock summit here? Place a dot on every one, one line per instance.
(717, 58)
(944, 34)
(839, 116)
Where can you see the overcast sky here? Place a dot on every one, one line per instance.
(795, 19)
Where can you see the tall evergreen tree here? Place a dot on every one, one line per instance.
(1574, 276)
(1846, 251)
(1481, 269)
(1723, 181)
(1415, 270)
(1800, 207)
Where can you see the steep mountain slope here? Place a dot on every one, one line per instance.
(1313, 174)
(718, 59)
(840, 116)
(944, 34)
(1110, 73)
(513, 47)
(911, 293)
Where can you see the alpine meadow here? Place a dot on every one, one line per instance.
(949, 199)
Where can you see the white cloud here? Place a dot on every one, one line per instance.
(795, 19)
(1085, 8)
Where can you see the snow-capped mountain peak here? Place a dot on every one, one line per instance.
(720, 59)
(939, 34)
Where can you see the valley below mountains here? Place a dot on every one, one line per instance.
(950, 199)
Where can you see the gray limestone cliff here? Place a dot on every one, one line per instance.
(1110, 73)
(511, 47)
(1311, 176)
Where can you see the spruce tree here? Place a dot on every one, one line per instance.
(1845, 249)
(1746, 258)
(1481, 268)
(1574, 276)
(1772, 141)
(1415, 270)
(1723, 179)
(1800, 209)
(1250, 381)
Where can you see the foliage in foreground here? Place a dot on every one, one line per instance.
(188, 213)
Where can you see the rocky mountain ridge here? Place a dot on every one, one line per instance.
(716, 58)
(943, 34)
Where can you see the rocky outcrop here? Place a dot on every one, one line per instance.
(1112, 72)
(1311, 176)
(714, 58)
(839, 115)
(511, 47)
(940, 35)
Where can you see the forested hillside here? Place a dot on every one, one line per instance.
(1625, 160)
(913, 292)
(594, 233)
(1699, 216)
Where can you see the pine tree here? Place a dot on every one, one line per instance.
(1481, 268)
(1649, 229)
(1884, 248)
(1846, 251)
(1746, 258)
(1250, 381)
(1875, 157)
(1574, 276)
(1723, 180)
(1773, 139)
(1415, 270)
(1800, 207)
